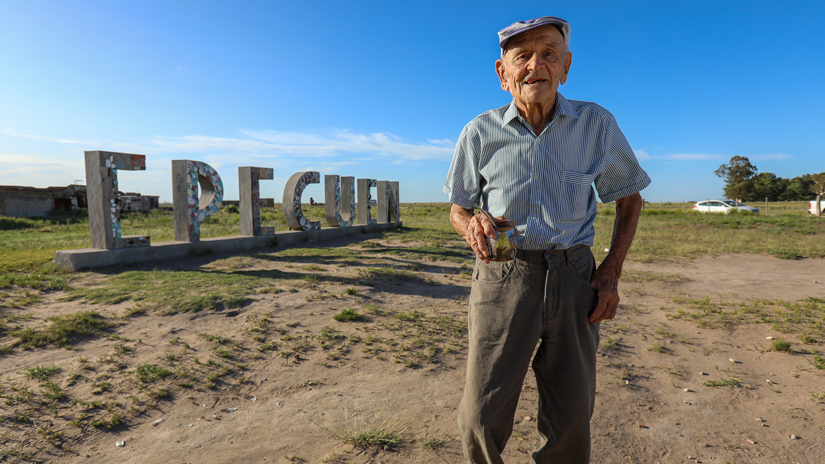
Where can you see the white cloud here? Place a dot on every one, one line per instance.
(77, 142)
(39, 171)
(275, 144)
(644, 155)
(340, 142)
(26, 136)
(202, 143)
(328, 151)
(443, 142)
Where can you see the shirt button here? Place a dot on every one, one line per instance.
(536, 177)
(534, 211)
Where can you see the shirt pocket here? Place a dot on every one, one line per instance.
(576, 190)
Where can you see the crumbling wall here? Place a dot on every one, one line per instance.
(28, 204)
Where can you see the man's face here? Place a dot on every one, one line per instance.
(534, 64)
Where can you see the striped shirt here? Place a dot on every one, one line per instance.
(543, 183)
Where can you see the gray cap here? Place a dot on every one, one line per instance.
(518, 27)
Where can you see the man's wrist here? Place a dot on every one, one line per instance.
(611, 269)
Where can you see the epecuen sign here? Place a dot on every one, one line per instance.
(197, 194)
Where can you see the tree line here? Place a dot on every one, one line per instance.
(743, 182)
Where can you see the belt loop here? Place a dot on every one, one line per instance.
(567, 256)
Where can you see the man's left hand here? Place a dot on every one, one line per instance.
(607, 288)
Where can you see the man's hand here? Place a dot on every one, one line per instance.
(606, 278)
(478, 229)
(607, 288)
(475, 228)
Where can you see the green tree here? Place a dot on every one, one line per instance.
(818, 188)
(761, 186)
(738, 170)
(798, 189)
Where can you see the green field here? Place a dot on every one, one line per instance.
(665, 232)
(787, 231)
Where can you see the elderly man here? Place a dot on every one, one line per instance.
(533, 161)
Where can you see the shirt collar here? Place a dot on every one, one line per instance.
(563, 107)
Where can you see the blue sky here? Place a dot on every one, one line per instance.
(382, 89)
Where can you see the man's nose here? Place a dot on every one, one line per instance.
(536, 61)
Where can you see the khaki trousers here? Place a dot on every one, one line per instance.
(543, 297)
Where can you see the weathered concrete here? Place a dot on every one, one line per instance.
(365, 201)
(262, 202)
(388, 207)
(191, 208)
(250, 198)
(102, 197)
(294, 188)
(89, 257)
(26, 204)
(339, 196)
(135, 202)
(21, 201)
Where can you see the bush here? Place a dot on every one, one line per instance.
(347, 315)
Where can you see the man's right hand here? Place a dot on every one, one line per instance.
(475, 228)
(478, 229)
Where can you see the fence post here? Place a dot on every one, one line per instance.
(766, 206)
(683, 206)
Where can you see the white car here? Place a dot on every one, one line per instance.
(722, 206)
(812, 207)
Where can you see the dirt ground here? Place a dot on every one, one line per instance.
(651, 405)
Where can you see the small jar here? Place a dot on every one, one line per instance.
(503, 248)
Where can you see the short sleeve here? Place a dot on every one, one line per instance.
(463, 184)
(621, 174)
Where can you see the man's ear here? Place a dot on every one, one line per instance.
(502, 76)
(568, 60)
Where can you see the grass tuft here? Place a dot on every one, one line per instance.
(347, 315)
(42, 373)
(781, 345)
(657, 348)
(722, 383)
(148, 373)
(818, 362)
(383, 433)
(433, 443)
(63, 330)
(609, 343)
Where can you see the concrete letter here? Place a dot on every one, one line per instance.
(103, 200)
(293, 189)
(190, 209)
(388, 208)
(365, 201)
(339, 193)
(250, 196)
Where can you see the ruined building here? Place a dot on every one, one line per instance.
(17, 201)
